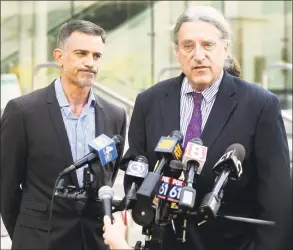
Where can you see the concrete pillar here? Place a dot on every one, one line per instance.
(25, 44)
(40, 44)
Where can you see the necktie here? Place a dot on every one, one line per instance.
(194, 126)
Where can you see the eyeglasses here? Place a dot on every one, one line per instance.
(190, 46)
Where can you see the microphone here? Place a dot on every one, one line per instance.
(102, 148)
(169, 190)
(106, 194)
(228, 166)
(195, 152)
(134, 175)
(168, 148)
(170, 186)
(232, 159)
(193, 161)
(137, 170)
(119, 142)
(174, 170)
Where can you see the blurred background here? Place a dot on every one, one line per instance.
(139, 51)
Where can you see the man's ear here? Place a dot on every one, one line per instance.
(227, 50)
(58, 56)
(177, 52)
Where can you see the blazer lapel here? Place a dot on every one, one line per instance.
(170, 106)
(57, 120)
(100, 117)
(223, 108)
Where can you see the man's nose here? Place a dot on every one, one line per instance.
(90, 62)
(199, 53)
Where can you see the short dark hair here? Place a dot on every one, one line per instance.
(81, 26)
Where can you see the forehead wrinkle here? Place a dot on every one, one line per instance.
(192, 33)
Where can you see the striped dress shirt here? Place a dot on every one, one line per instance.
(186, 102)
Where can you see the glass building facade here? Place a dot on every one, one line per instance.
(139, 51)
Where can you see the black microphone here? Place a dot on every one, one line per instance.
(169, 148)
(228, 166)
(231, 161)
(143, 213)
(170, 186)
(134, 175)
(136, 171)
(170, 189)
(106, 194)
(174, 170)
(193, 161)
(102, 148)
(119, 141)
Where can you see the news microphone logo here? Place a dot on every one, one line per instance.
(105, 147)
(169, 145)
(170, 189)
(233, 156)
(195, 151)
(137, 169)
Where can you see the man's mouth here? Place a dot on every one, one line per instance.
(88, 72)
(200, 67)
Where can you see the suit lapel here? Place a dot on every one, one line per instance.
(100, 117)
(57, 120)
(170, 106)
(223, 108)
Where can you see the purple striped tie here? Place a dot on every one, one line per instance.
(194, 127)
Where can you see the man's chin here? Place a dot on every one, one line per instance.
(201, 80)
(85, 84)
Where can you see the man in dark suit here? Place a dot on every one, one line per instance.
(44, 132)
(206, 101)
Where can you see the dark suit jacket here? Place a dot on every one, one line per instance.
(34, 150)
(242, 113)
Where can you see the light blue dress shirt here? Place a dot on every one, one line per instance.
(80, 130)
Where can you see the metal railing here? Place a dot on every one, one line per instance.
(166, 69)
(287, 116)
(265, 74)
(42, 66)
(127, 103)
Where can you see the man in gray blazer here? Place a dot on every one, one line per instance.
(44, 132)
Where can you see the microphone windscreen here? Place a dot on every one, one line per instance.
(178, 135)
(239, 151)
(197, 141)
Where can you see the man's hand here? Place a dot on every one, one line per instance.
(115, 234)
(156, 201)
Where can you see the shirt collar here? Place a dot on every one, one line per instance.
(61, 97)
(208, 94)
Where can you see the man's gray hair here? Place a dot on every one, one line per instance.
(80, 26)
(213, 16)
